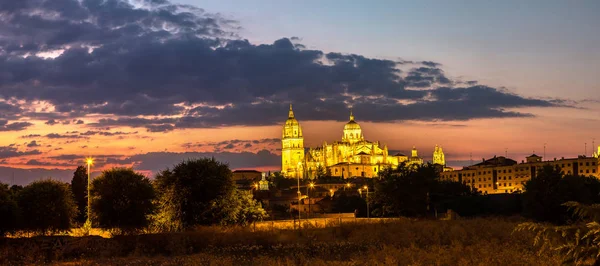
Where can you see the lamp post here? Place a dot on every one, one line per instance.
(89, 162)
(311, 186)
(367, 188)
(347, 186)
(299, 194)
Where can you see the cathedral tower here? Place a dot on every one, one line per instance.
(438, 156)
(352, 131)
(292, 150)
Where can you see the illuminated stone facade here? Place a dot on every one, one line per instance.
(597, 154)
(292, 150)
(504, 175)
(353, 156)
(438, 156)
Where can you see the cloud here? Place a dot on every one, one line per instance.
(51, 122)
(163, 66)
(15, 126)
(33, 143)
(10, 152)
(63, 136)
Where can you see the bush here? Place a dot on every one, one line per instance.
(121, 199)
(47, 206)
(8, 211)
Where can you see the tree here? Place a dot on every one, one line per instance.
(47, 206)
(281, 182)
(343, 202)
(545, 194)
(121, 199)
(188, 195)
(8, 211)
(405, 191)
(79, 185)
(239, 208)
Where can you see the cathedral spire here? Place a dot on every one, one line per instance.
(351, 115)
(291, 113)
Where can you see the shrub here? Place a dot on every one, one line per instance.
(47, 206)
(121, 199)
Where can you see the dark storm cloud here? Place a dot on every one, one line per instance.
(180, 61)
(10, 152)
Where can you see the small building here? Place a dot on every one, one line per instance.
(250, 175)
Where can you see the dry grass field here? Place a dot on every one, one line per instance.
(481, 241)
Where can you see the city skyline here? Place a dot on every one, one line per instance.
(159, 82)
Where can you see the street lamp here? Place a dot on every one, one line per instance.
(347, 186)
(89, 162)
(311, 185)
(299, 194)
(367, 188)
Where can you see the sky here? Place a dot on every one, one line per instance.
(148, 83)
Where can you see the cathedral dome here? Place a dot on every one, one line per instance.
(352, 131)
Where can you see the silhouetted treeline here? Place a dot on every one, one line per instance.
(194, 192)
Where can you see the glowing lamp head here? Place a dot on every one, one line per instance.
(89, 161)
(312, 185)
(348, 185)
(365, 187)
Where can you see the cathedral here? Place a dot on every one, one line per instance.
(353, 156)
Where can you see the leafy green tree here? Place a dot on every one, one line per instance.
(79, 188)
(578, 242)
(188, 194)
(545, 194)
(239, 208)
(47, 206)
(9, 211)
(121, 199)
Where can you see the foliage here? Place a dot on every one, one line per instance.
(416, 191)
(47, 206)
(320, 172)
(121, 199)
(344, 202)
(578, 243)
(9, 211)
(79, 187)
(239, 208)
(281, 182)
(545, 194)
(14, 190)
(188, 194)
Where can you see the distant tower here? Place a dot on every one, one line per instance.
(438, 156)
(292, 150)
(414, 152)
(597, 154)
